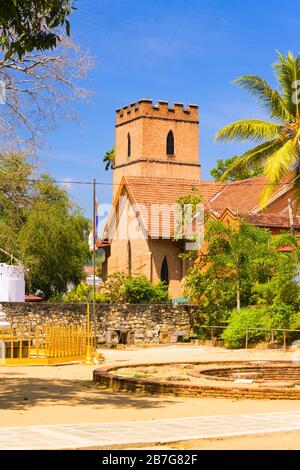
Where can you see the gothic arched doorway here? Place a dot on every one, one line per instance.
(164, 273)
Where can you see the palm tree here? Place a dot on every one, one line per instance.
(109, 159)
(278, 149)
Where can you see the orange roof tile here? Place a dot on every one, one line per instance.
(243, 196)
(272, 220)
(147, 192)
(240, 197)
(168, 190)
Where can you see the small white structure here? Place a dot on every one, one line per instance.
(90, 281)
(12, 283)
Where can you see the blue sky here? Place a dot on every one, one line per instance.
(176, 50)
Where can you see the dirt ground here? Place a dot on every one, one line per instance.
(66, 394)
(276, 441)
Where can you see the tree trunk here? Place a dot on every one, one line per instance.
(238, 295)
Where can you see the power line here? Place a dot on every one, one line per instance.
(149, 182)
(40, 180)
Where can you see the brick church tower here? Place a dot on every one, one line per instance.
(157, 141)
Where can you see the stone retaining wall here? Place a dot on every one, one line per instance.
(131, 324)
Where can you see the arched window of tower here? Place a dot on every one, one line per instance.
(128, 145)
(164, 273)
(170, 144)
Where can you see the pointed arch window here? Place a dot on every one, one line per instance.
(128, 145)
(164, 273)
(170, 144)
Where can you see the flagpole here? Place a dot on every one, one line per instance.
(95, 236)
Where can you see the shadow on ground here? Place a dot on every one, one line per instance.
(25, 393)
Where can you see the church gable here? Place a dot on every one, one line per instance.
(280, 205)
(125, 221)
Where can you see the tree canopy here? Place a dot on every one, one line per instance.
(26, 25)
(40, 88)
(277, 148)
(239, 173)
(109, 159)
(241, 266)
(41, 227)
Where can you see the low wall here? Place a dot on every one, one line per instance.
(125, 323)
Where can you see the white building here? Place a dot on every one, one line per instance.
(12, 283)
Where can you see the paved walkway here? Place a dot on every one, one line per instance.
(113, 434)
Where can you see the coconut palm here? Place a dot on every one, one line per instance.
(109, 159)
(278, 149)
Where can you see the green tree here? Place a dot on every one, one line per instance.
(227, 268)
(281, 288)
(26, 25)
(16, 193)
(278, 140)
(187, 224)
(240, 173)
(109, 159)
(53, 240)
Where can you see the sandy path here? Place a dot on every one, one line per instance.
(57, 395)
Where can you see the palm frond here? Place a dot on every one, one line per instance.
(249, 129)
(285, 160)
(109, 159)
(267, 96)
(287, 71)
(253, 158)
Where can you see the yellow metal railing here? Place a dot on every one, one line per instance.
(22, 343)
(44, 344)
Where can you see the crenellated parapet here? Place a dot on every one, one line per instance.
(161, 110)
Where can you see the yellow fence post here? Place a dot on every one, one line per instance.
(43, 344)
(89, 357)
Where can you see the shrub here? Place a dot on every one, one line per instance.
(83, 293)
(160, 293)
(235, 334)
(80, 293)
(113, 288)
(119, 288)
(295, 321)
(139, 290)
(279, 316)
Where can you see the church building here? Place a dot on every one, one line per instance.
(156, 163)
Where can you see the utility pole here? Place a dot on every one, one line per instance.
(291, 216)
(95, 236)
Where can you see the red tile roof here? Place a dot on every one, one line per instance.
(33, 298)
(243, 196)
(148, 192)
(272, 220)
(169, 190)
(240, 197)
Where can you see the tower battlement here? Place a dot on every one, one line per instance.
(161, 110)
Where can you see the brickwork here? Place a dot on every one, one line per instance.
(148, 126)
(108, 378)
